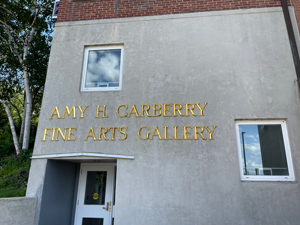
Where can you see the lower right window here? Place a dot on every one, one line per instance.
(264, 150)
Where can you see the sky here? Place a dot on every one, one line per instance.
(252, 147)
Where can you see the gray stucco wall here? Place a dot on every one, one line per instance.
(238, 61)
(15, 211)
(58, 202)
(36, 184)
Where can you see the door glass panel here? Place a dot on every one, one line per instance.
(95, 188)
(92, 221)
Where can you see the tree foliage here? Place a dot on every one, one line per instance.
(14, 174)
(25, 37)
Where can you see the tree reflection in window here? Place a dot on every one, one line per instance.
(95, 188)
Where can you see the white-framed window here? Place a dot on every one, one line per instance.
(102, 69)
(55, 9)
(264, 150)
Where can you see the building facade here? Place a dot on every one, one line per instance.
(169, 112)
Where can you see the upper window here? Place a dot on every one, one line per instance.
(264, 150)
(102, 69)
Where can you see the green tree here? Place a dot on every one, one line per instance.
(25, 37)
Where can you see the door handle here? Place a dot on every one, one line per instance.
(108, 206)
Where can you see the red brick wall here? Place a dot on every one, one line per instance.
(70, 10)
(296, 5)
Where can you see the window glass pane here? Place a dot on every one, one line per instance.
(92, 221)
(263, 150)
(95, 188)
(103, 68)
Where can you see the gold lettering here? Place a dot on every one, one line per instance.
(55, 112)
(166, 133)
(103, 133)
(177, 110)
(133, 111)
(187, 109)
(201, 109)
(175, 134)
(58, 132)
(147, 134)
(199, 133)
(210, 132)
(122, 132)
(117, 111)
(155, 110)
(81, 112)
(103, 111)
(167, 110)
(46, 133)
(91, 134)
(69, 112)
(53, 134)
(113, 132)
(156, 133)
(145, 110)
(186, 132)
(63, 135)
(70, 133)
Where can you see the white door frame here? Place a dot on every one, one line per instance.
(95, 211)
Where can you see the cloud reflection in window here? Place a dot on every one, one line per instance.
(103, 68)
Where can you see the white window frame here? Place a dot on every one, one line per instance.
(54, 16)
(291, 176)
(84, 69)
